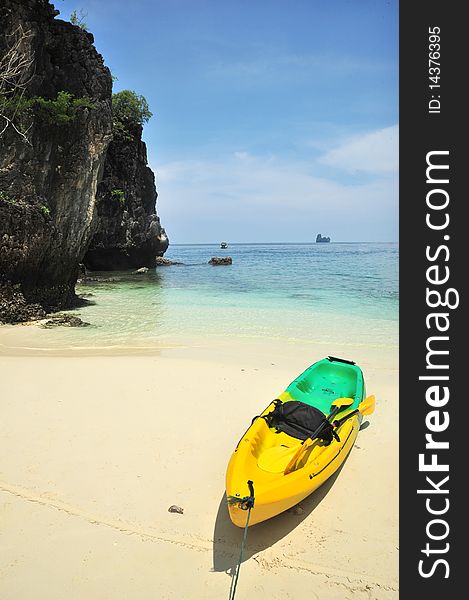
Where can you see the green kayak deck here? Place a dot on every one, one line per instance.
(327, 380)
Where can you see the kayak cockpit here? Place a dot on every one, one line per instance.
(275, 452)
(325, 381)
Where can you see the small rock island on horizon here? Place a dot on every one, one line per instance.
(322, 240)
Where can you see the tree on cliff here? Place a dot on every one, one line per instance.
(78, 19)
(129, 110)
(15, 65)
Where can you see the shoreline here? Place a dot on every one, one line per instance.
(30, 339)
(98, 447)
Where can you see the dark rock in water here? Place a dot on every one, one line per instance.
(225, 260)
(141, 270)
(66, 320)
(175, 509)
(128, 233)
(48, 186)
(93, 280)
(165, 262)
(320, 239)
(14, 308)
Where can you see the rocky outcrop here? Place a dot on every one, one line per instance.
(322, 239)
(129, 233)
(224, 260)
(48, 186)
(14, 308)
(62, 320)
(166, 262)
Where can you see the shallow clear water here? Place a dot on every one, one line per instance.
(326, 293)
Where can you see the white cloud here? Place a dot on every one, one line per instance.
(242, 197)
(375, 152)
(267, 66)
(241, 155)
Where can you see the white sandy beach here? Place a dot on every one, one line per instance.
(94, 449)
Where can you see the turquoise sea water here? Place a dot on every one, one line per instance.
(325, 293)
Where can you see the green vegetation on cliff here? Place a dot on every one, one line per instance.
(63, 109)
(118, 195)
(129, 111)
(78, 19)
(59, 111)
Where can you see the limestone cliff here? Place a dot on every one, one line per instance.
(63, 194)
(48, 181)
(129, 234)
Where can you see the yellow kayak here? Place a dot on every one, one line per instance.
(298, 441)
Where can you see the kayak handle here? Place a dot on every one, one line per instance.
(342, 360)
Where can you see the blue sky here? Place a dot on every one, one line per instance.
(273, 120)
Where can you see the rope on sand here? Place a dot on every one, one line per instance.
(245, 503)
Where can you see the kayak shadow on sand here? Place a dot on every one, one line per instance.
(227, 537)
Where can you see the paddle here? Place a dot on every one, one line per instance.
(365, 408)
(336, 406)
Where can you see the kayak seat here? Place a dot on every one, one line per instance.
(298, 420)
